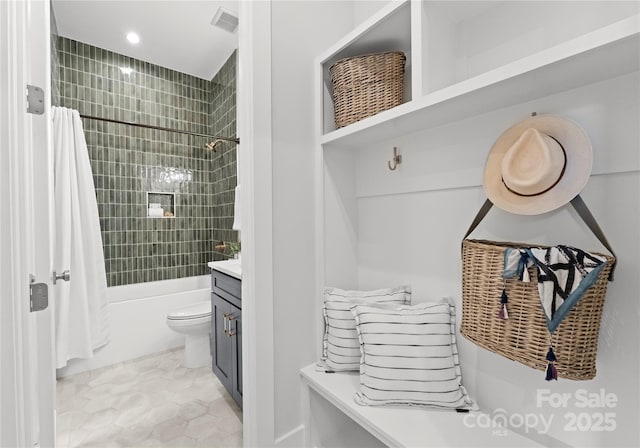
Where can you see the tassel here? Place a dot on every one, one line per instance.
(551, 357)
(552, 373)
(503, 314)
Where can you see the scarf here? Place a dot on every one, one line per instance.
(564, 275)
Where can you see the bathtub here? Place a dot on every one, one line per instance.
(138, 320)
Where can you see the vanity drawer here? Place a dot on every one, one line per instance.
(227, 287)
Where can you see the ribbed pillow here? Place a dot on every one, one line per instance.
(409, 356)
(341, 347)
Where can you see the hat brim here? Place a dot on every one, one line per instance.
(577, 146)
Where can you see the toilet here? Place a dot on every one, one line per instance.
(194, 322)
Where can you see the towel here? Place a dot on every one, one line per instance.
(236, 209)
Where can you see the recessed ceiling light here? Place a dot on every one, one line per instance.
(133, 38)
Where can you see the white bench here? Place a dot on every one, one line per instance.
(325, 393)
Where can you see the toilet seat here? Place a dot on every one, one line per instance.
(192, 312)
(189, 324)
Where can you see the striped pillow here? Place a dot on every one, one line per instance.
(341, 348)
(409, 356)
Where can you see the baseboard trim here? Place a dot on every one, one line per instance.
(292, 439)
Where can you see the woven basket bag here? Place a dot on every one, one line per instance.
(524, 336)
(365, 85)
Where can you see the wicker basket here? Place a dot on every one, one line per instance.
(366, 85)
(524, 336)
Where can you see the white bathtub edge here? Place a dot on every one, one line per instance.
(138, 328)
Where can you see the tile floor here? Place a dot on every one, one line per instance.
(151, 401)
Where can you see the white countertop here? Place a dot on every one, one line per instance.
(231, 267)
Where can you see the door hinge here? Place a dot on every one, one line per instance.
(35, 100)
(38, 295)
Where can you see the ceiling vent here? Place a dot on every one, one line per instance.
(225, 19)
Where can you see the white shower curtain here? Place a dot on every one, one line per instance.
(81, 306)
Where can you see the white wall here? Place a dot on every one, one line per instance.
(363, 9)
(300, 31)
(415, 237)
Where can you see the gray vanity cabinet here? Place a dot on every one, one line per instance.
(226, 332)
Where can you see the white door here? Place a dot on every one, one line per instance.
(27, 372)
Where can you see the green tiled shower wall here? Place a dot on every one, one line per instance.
(55, 64)
(223, 122)
(128, 162)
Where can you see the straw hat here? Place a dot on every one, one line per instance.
(538, 165)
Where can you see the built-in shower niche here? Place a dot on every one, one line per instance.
(161, 205)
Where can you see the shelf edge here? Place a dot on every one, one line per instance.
(362, 29)
(612, 34)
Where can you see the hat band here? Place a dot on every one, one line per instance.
(564, 166)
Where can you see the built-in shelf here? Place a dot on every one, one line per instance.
(388, 30)
(603, 54)
(469, 63)
(161, 205)
(464, 39)
(405, 426)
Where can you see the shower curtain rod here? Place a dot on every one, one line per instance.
(160, 128)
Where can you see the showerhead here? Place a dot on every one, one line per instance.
(212, 145)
